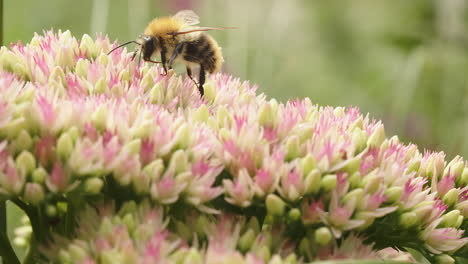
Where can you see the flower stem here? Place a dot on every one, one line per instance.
(6, 251)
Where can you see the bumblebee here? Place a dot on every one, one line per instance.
(177, 38)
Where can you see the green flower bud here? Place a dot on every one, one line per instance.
(22, 70)
(81, 68)
(133, 147)
(269, 219)
(179, 161)
(100, 86)
(372, 182)
(182, 136)
(354, 195)
(93, 185)
(368, 218)
(393, 194)
(414, 165)
(26, 162)
(456, 166)
(39, 175)
(129, 222)
(87, 45)
(444, 259)
(28, 93)
(246, 240)
(51, 210)
(58, 75)
(276, 260)
(23, 141)
(254, 224)
(223, 117)
(352, 165)
(294, 214)
(408, 219)
(65, 58)
(459, 221)
(99, 118)
(423, 209)
(156, 94)
(107, 228)
(377, 137)
(77, 252)
(308, 163)
(64, 146)
(266, 117)
(305, 132)
(193, 257)
(179, 256)
(450, 219)
(275, 206)
(201, 114)
(312, 181)
(154, 169)
(62, 207)
(111, 257)
(74, 133)
(292, 148)
(147, 82)
(124, 75)
(224, 134)
(355, 179)
(103, 59)
(323, 236)
(451, 197)
(328, 182)
(304, 246)
(21, 109)
(141, 183)
(13, 128)
(463, 178)
(210, 92)
(291, 259)
(359, 138)
(263, 253)
(64, 257)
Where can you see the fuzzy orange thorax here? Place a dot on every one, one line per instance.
(160, 27)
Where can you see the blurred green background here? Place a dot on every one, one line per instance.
(404, 62)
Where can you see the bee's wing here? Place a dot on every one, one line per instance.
(188, 17)
(201, 29)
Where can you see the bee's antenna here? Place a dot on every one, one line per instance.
(126, 43)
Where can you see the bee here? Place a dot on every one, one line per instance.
(176, 38)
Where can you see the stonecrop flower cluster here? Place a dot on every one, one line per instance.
(115, 162)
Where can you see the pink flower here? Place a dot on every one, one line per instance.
(438, 240)
(58, 180)
(240, 191)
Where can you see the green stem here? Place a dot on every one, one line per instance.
(6, 251)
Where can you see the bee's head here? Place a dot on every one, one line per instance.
(149, 46)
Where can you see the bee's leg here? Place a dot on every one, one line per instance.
(201, 80)
(163, 54)
(164, 61)
(177, 51)
(189, 73)
(134, 55)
